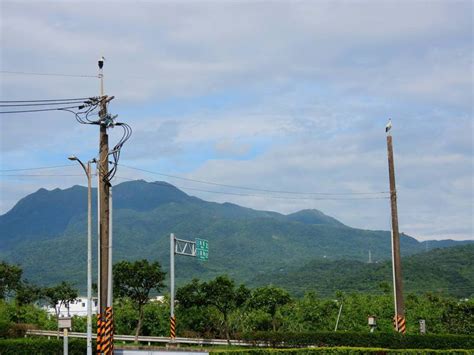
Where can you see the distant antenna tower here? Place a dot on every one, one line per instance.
(370, 257)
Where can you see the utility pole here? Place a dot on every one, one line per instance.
(109, 269)
(399, 319)
(105, 321)
(89, 260)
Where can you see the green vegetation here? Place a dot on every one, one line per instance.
(358, 339)
(59, 295)
(447, 270)
(19, 308)
(269, 299)
(220, 295)
(340, 351)
(244, 243)
(277, 311)
(219, 309)
(134, 281)
(10, 279)
(40, 346)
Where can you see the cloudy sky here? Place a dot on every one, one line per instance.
(272, 95)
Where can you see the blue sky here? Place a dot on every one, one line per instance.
(277, 95)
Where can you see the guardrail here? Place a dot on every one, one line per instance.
(149, 339)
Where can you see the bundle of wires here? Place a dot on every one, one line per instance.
(115, 152)
(80, 104)
(84, 110)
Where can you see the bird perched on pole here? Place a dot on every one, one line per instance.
(388, 127)
(101, 62)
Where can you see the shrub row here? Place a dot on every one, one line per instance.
(41, 346)
(339, 351)
(353, 339)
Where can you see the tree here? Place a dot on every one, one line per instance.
(191, 295)
(222, 294)
(28, 293)
(269, 299)
(135, 280)
(60, 295)
(10, 278)
(192, 310)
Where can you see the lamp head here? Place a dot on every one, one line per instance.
(72, 157)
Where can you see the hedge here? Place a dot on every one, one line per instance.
(339, 351)
(41, 346)
(353, 339)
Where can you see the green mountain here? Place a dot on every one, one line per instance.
(448, 270)
(46, 233)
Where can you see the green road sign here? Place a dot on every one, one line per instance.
(202, 249)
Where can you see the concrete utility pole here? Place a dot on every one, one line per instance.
(98, 237)
(399, 319)
(87, 170)
(89, 260)
(109, 269)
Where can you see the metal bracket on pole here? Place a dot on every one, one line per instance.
(185, 247)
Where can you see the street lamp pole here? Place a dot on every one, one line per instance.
(87, 170)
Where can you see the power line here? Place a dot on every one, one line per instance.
(41, 104)
(43, 110)
(223, 185)
(50, 100)
(254, 188)
(39, 168)
(48, 74)
(249, 195)
(38, 175)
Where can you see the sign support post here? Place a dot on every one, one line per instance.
(199, 249)
(172, 317)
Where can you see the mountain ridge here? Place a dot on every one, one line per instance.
(243, 241)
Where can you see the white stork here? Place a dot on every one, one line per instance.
(388, 126)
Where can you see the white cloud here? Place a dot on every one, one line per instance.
(318, 81)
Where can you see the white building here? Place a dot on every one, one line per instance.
(160, 299)
(76, 308)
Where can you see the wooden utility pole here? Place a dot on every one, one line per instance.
(104, 210)
(399, 319)
(104, 195)
(105, 317)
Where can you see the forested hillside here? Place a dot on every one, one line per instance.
(244, 243)
(448, 270)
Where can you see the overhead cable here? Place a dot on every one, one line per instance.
(249, 195)
(38, 168)
(214, 183)
(38, 175)
(48, 74)
(41, 104)
(254, 188)
(48, 100)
